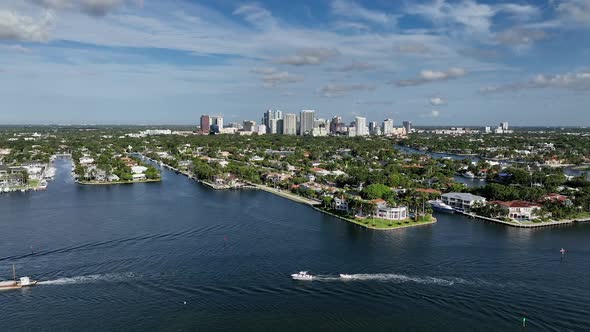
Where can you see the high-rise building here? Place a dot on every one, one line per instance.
(269, 117)
(373, 128)
(387, 127)
(290, 124)
(272, 126)
(216, 123)
(306, 122)
(337, 127)
(408, 126)
(249, 125)
(205, 124)
(504, 126)
(361, 126)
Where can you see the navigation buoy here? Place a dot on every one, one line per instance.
(523, 321)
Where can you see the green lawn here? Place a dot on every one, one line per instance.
(389, 224)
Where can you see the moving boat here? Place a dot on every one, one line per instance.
(346, 276)
(303, 275)
(440, 206)
(17, 284)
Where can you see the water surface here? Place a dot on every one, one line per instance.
(129, 257)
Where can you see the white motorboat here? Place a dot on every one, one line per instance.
(346, 276)
(16, 284)
(303, 275)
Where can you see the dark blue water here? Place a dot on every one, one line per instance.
(129, 257)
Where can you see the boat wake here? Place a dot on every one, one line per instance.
(392, 277)
(111, 277)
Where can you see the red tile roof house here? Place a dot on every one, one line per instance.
(519, 210)
(554, 198)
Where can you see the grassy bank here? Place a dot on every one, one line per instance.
(93, 183)
(381, 224)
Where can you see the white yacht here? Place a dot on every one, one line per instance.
(438, 205)
(303, 275)
(469, 175)
(346, 276)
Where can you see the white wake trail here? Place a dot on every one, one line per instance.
(393, 277)
(110, 277)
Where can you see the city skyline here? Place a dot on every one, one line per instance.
(434, 62)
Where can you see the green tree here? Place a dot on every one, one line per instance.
(375, 191)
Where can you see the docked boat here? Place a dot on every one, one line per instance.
(346, 276)
(16, 284)
(469, 175)
(303, 275)
(440, 206)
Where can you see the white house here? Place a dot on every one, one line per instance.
(462, 201)
(384, 211)
(340, 204)
(519, 210)
(138, 177)
(138, 169)
(86, 160)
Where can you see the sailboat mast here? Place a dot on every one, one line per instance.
(13, 272)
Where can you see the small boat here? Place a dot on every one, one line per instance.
(303, 275)
(346, 276)
(16, 284)
(440, 206)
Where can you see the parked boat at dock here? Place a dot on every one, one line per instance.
(438, 205)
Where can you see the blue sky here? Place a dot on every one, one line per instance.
(434, 62)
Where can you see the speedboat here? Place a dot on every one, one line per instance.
(346, 276)
(303, 275)
(438, 205)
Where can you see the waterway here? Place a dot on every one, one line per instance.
(179, 256)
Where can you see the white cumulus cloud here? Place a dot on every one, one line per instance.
(14, 26)
(427, 76)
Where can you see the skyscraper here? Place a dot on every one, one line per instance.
(269, 117)
(504, 126)
(272, 126)
(205, 124)
(408, 126)
(361, 126)
(216, 123)
(307, 121)
(373, 127)
(290, 124)
(387, 127)
(335, 125)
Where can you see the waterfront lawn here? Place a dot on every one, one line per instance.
(391, 224)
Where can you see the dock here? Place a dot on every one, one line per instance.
(525, 225)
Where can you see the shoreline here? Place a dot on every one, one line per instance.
(352, 221)
(530, 225)
(293, 197)
(115, 182)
